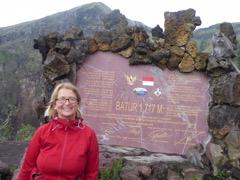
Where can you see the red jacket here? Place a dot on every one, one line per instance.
(62, 150)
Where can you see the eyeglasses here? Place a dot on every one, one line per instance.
(63, 100)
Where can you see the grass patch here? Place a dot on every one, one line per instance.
(25, 133)
(112, 173)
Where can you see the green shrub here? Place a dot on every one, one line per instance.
(5, 56)
(112, 173)
(221, 175)
(5, 132)
(25, 132)
(193, 178)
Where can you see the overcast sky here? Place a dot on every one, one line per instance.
(149, 12)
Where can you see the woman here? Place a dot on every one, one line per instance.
(64, 148)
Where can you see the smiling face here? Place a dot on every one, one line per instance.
(66, 104)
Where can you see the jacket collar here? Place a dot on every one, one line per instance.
(68, 124)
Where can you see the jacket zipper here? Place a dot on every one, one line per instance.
(63, 152)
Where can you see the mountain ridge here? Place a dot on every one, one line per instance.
(59, 22)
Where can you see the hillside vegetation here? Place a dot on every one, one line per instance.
(203, 37)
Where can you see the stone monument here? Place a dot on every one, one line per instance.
(143, 106)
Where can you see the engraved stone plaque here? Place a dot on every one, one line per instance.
(143, 106)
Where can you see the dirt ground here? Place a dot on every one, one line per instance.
(11, 152)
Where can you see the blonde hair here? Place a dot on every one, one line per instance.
(51, 112)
